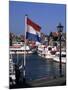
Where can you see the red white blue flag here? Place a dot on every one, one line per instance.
(33, 31)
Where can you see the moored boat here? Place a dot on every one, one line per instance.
(63, 57)
(45, 52)
(20, 50)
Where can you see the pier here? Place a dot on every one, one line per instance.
(53, 81)
(60, 81)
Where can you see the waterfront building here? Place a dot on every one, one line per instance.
(54, 40)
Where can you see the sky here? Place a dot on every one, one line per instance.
(48, 16)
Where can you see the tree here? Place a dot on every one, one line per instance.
(50, 34)
(10, 38)
(55, 38)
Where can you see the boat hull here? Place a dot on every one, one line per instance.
(63, 59)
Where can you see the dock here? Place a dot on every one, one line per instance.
(51, 82)
(59, 81)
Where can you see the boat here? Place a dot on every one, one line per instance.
(63, 57)
(20, 50)
(41, 51)
(45, 52)
(48, 55)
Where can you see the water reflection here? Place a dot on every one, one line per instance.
(38, 67)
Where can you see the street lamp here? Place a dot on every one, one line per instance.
(60, 29)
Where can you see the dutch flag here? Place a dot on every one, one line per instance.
(33, 31)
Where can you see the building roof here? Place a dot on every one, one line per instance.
(55, 34)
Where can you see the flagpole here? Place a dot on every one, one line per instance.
(24, 63)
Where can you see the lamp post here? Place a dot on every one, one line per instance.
(60, 29)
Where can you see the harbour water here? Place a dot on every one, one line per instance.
(38, 67)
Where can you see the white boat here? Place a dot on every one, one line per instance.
(63, 57)
(41, 51)
(45, 52)
(20, 50)
(48, 55)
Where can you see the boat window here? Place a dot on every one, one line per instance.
(63, 55)
(49, 48)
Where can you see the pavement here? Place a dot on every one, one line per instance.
(48, 82)
(44, 82)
